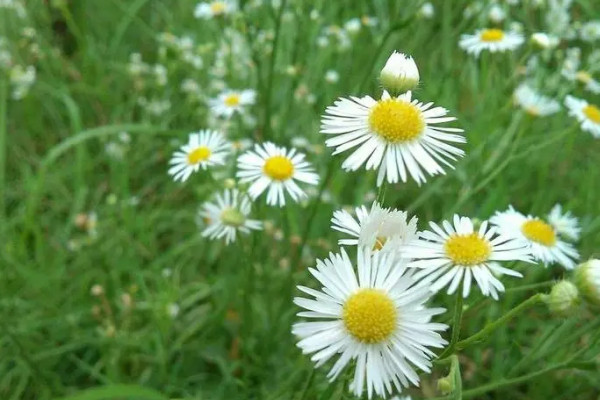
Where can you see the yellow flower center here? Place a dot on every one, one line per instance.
(218, 7)
(468, 250)
(539, 231)
(198, 155)
(583, 76)
(370, 316)
(279, 168)
(379, 243)
(232, 100)
(491, 35)
(396, 120)
(592, 113)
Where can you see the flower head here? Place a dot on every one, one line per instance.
(535, 103)
(492, 40)
(204, 149)
(231, 101)
(216, 8)
(564, 223)
(399, 74)
(586, 113)
(587, 279)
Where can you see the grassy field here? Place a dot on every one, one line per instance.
(109, 291)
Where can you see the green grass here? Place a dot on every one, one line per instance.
(231, 338)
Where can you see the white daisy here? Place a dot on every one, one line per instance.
(204, 148)
(587, 114)
(543, 241)
(227, 215)
(534, 102)
(275, 168)
(564, 223)
(375, 318)
(379, 228)
(460, 253)
(395, 134)
(231, 101)
(493, 40)
(217, 8)
(590, 83)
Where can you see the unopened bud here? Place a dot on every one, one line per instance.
(587, 279)
(563, 298)
(400, 74)
(445, 385)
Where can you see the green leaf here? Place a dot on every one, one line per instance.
(117, 392)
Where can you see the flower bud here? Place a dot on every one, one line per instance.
(563, 298)
(400, 74)
(229, 183)
(445, 385)
(587, 279)
(544, 41)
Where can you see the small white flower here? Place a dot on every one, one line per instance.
(399, 74)
(215, 8)
(493, 40)
(332, 76)
(204, 149)
(534, 102)
(496, 14)
(374, 318)
(232, 101)
(542, 238)
(227, 215)
(353, 25)
(427, 10)
(590, 31)
(276, 169)
(564, 223)
(587, 114)
(459, 253)
(544, 40)
(21, 79)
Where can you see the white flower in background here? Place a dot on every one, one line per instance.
(395, 134)
(399, 74)
(160, 74)
(535, 103)
(353, 25)
(587, 114)
(206, 10)
(155, 107)
(232, 101)
(322, 41)
(558, 18)
(427, 10)
(496, 14)
(544, 40)
(369, 21)
(564, 223)
(542, 238)
(587, 279)
(5, 56)
(590, 31)
(374, 319)
(190, 86)
(227, 215)
(136, 66)
(204, 149)
(275, 169)
(590, 83)
(493, 40)
(21, 79)
(332, 76)
(384, 229)
(460, 253)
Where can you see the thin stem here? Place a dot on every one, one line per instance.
(3, 122)
(535, 299)
(381, 193)
(456, 322)
(309, 380)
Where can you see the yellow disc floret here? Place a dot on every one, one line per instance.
(592, 113)
(232, 100)
(379, 243)
(539, 231)
(469, 250)
(279, 168)
(198, 155)
(396, 120)
(492, 35)
(218, 7)
(370, 316)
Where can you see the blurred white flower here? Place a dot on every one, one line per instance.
(493, 40)
(586, 113)
(427, 10)
(534, 102)
(590, 31)
(544, 40)
(215, 8)
(232, 101)
(353, 25)
(496, 14)
(332, 76)
(21, 79)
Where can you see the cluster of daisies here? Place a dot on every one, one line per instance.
(546, 48)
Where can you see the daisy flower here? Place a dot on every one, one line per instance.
(455, 253)
(535, 103)
(564, 223)
(379, 228)
(275, 169)
(227, 215)
(395, 134)
(231, 101)
(214, 9)
(204, 148)
(587, 114)
(586, 78)
(587, 279)
(542, 238)
(493, 40)
(375, 318)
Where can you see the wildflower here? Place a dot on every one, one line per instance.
(332, 76)
(590, 31)
(535, 103)
(587, 279)
(204, 149)
(544, 40)
(427, 11)
(232, 101)
(564, 223)
(586, 113)
(353, 25)
(379, 228)
(496, 14)
(591, 84)
(460, 253)
(493, 40)
(21, 78)
(395, 134)
(375, 318)
(276, 169)
(563, 298)
(227, 215)
(214, 9)
(399, 74)
(542, 238)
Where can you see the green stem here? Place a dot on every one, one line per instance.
(456, 322)
(3, 128)
(309, 380)
(381, 193)
(535, 299)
